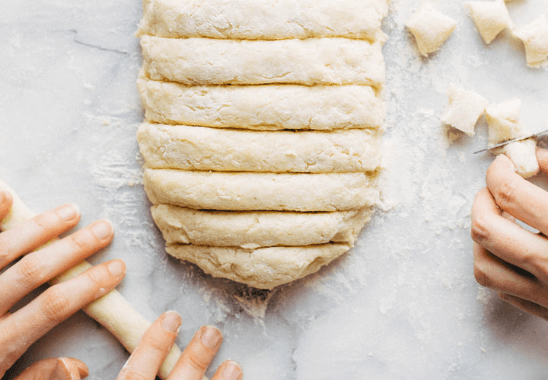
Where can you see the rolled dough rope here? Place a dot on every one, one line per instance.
(262, 268)
(204, 149)
(268, 107)
(261, 191)
(112, 310)
(264, 20)
(258, 229)
(203, 61)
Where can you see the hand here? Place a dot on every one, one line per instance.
(145, 361)
(22, 328)
(507, 257)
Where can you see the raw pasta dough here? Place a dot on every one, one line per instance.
(430, 28)
(325, 61)
(268, 107)
(464, 109)
(264, 20)
(523, 155)
(490, 17)
(535, 37)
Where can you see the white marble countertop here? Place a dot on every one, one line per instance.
(402, 305)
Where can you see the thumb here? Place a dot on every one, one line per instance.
(55, 369)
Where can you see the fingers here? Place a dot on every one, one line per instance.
(542, 159)
(151, 352)
(38, 267)
(56, 304)
(518, 197)
(506, 239)
(228, 370)
(55, 369)
(6, 201)
(527, 306)
(197, 355)
(36, 231)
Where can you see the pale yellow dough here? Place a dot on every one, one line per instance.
(264, 20)
(535, 38)
(464, 109)
(267, 107)
(504, 121)
(258, 229)
(523, 155)
(261, 191)
(490, 17)
(262, 268)
(431, 29)
(203, 149)
(323, 61)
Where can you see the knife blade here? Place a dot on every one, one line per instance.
(511, 141)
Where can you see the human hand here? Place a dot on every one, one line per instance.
(145, 361)
(22, 328)
(507, 257)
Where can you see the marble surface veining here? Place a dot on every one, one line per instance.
(402, 305)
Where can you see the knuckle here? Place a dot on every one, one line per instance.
(55, 304)
(30, 270)
(129, 373)
(79, 241)
(505, 194)
(480, 231)
(198, 363)
(4, 253)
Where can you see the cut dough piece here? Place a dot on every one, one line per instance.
(203, 149)
(267, 107)
(261, 191)
(258, 229)
(430, 28)
(535, 37)
(504, 121)
(202, 61)
(523, 155)
(262, 268)
(264, 20)
(464, 109)
(490, 17)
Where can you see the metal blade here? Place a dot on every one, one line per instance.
(511, 141)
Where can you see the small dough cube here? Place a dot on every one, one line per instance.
(535, 37)
(503, 120)
(491, 18)
(464, 109)
(523, 155)
(430, 28)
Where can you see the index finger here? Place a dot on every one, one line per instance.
(6, 201)
(516, 196)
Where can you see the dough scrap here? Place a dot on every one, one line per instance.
(264, 20)
(251, 230)
(203, 149)
(490, 18)
(261, 191)
(323, 61)
(504, 121)
(431, 29)
(262, 268)
(523, 155)
(535, 38)
(268, 107)
(464, 109)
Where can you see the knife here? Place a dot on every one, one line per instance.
(511, 141)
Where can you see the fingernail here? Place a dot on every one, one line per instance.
(211, 336)
(232, 371)
(117, 268)
(68, 212)
(171, 322)
(102, 229)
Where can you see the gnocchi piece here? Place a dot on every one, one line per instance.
(523, 155)
(430, 29)
(464, 109)
(535, 38)
(504, 121)
(490, 18)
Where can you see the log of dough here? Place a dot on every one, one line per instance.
(262, 268)
(251, 230)
(202, 61)
(264, 20)
(202, 148)
(112, 310)
(260, 191)
(267, 107)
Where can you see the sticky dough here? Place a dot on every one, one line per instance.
(260, 191)
(267, 107)
(323, 61)
(204, 149)
(258, 229)
(264, 20)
